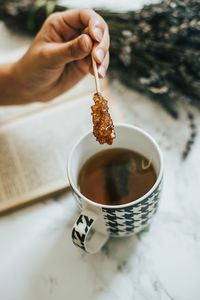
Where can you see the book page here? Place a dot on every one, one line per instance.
(34, 149)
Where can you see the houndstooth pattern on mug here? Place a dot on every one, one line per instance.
(130, 219)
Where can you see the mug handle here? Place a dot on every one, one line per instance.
(85, 236)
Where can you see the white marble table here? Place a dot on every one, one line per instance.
(38, 260)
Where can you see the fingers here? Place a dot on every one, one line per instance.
(104, 66)
(77, 49)
(86, 17)
(71, 47)
(84, 65)
(100, 49)
(65, 25)
(102, 69)
(97, 28)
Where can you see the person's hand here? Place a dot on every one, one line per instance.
(59, 56)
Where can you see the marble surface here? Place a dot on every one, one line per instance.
(38, 260)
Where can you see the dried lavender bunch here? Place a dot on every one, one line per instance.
(158, 51)
(154, 50)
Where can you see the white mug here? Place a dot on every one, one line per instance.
(98, 221)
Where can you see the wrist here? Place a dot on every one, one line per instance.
(17, 77)
(12, 91)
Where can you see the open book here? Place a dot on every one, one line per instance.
(35, 141)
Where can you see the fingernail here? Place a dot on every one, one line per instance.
(99, 54)
(102, 71)
(98, 34)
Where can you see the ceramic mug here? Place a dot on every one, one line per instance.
(97, 222)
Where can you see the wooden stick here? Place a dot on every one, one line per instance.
(96, 75)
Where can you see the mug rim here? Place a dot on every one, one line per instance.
(158, 180)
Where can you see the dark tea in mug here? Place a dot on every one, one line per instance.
(116, 176)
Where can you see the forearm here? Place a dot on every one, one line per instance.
(11, 90)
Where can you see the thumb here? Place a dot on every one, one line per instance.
(73, 50)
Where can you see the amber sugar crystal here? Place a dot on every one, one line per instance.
(103, 128)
